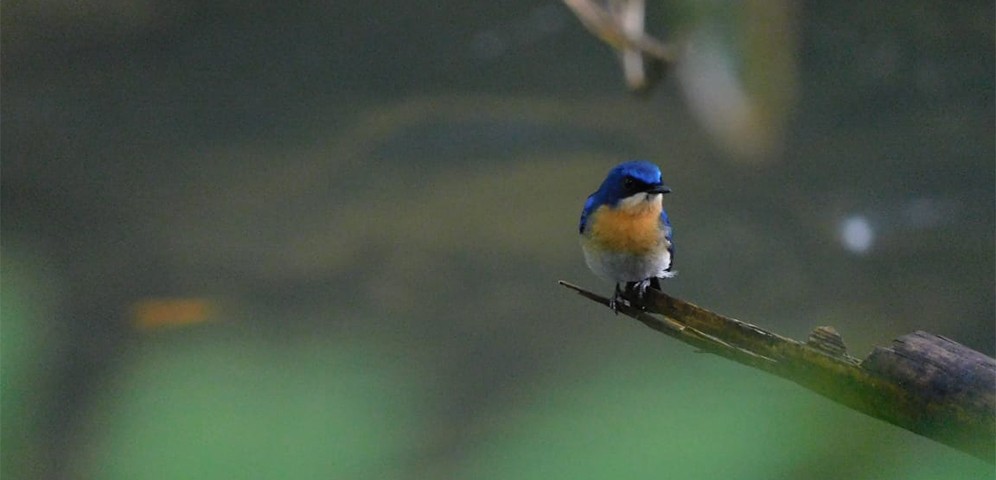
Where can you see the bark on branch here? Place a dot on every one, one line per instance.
(925, 383)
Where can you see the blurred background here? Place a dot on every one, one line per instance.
(322, 240)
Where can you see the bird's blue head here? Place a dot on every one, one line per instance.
(628, 179)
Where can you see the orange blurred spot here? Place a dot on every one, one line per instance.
(161, 312)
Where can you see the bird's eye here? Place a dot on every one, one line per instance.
(629, 183)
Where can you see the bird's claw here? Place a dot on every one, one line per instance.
(619, 296)
(641, 288)
(616, 299)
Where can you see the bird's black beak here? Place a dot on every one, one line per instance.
(659, 189)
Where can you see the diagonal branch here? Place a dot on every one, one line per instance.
(924, 383)
(683, 332)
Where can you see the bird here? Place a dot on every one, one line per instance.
(625, 231)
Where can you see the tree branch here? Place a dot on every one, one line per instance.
(924, 383)
(610, 29)
(621, 26)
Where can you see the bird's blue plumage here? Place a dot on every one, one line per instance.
(588, 207)
(613, 188)
(670, 243)
(625, 232)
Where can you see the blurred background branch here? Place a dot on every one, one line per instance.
(736, 69)
(621, 26)
(644, 58)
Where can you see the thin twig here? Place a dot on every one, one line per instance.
(683, 332)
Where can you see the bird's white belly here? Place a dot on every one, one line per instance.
(627, 267)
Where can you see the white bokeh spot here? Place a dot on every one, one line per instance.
(857, 234)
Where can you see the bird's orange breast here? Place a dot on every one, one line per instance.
(634, 230)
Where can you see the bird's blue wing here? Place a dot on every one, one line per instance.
(666, 222)
(589, 206)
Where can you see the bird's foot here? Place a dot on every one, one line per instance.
(641, 287)
(614, 302)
